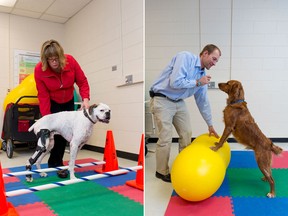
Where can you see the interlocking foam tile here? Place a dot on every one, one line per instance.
(116, 180)
(9, 179)
(242, 159)
(216, 206)
(224, 188)
(22, 168)
(260, 206)
(280, 161)
(82, 161)
(42, 181)
(38, 209)
(248, 183)
(88, 198)
(14, 186)
(245, 188)
(24, 199)
(131, 193)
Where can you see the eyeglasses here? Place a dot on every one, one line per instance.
(51, 60)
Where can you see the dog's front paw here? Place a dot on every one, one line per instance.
(43, 174)
(214, 148)
(73, 177)
(264, 179)
(29, 178)
(270, 195)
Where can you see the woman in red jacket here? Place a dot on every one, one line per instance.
(55, 76)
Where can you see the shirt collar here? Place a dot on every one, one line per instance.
(198, 65)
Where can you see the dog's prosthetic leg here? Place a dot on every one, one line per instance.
(43, 138)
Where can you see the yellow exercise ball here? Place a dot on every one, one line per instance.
(208, 141)
(197, 173)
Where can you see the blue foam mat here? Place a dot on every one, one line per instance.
(260, 206)
(32, 197)
(242, 159)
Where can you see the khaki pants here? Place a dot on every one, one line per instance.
(168, 114)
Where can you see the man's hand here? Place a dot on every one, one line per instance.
(212, 131)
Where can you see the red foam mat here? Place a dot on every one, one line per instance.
(216, 206)
(38, 208)
(280, 161)
(131, 193)
(81, 161)
(9, 179)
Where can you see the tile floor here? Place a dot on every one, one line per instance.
(158, 192)
(21, 154)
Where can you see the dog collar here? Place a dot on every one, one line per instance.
(238, 101)
(87, 116)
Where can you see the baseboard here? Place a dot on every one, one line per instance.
(121, 154)
(230, 140)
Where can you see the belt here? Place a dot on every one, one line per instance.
(156, 94)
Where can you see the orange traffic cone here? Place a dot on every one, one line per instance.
(110, 156)
(6, 209)
(139, 182)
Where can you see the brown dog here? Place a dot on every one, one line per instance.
(241, 124)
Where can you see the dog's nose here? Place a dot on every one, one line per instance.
(108, 114)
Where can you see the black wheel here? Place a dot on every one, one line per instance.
(9, 150)
(4, 145)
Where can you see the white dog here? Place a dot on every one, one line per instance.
(75, 126)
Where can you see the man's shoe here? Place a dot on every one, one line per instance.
(62, 173)
(166, 178)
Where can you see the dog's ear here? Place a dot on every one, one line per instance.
(237, 91)
(91, 108)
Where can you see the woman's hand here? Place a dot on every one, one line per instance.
(85, 104)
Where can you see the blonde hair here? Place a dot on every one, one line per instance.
(52, 48)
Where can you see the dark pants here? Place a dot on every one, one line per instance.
(57, 153)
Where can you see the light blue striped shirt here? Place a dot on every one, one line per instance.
(178, 81)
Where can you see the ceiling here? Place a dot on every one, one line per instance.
(59, 11)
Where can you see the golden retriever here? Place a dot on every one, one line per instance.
(241, 124)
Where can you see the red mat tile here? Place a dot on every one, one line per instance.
(130, 192)
(38, 208)
(216, 206)
(9, 179)
(280, 161)
(81, 161)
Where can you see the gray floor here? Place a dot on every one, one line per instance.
(158, 192)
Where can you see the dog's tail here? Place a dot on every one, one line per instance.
(276, 149)
(31, 128)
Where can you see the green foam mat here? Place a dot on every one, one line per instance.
(85, 198)
(248, 183)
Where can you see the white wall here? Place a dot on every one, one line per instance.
(21, 33)
(253, 38)
(103, 34)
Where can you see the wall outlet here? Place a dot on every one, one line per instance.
(114, 67)
(212, 85)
